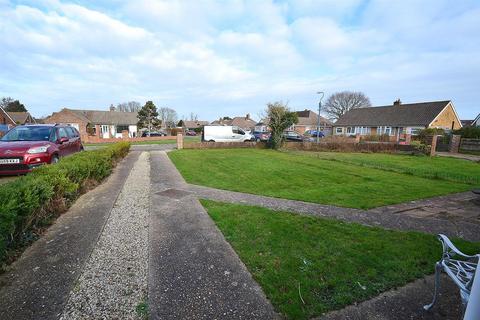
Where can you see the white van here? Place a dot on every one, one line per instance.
(225, 134)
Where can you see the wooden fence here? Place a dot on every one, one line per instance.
(470, 144)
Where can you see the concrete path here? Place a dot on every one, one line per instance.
(130, 245)
(456, 215)
(465, 156)
(194, 272)
(38, 284)
(407, 303)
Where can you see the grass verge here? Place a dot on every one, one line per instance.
(303, 177)
(31, 203)
(308, 266)
(438, 168)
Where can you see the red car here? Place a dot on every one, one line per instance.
(24, 148)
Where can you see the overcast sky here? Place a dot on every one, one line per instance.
(216, 58)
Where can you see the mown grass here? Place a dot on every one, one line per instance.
(443, 168)
(327, 263)
(306, 178)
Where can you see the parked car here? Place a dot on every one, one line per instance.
(153, 134)
(26, 147)
(293, 136)
(311, 135)
(261, 136)
(190, 133)
(225, 134)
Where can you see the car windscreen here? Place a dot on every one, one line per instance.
(28, 134)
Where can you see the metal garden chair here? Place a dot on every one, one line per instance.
(460, 270)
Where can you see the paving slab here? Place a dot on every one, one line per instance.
(193, 272)
(406, 216)
(37, 285)
(465, 156)
(407, 303)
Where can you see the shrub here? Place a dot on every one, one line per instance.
(469, 132)
(279, 119)
(31, 202)
(420, 147)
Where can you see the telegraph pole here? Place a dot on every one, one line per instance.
(318, 118)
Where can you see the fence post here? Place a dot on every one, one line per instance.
(434, 145)
(179, 141)
(455, 143)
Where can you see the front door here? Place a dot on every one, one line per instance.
(105, 134)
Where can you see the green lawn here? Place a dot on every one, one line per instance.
(443, 168)
(333, 264)
(304, 177)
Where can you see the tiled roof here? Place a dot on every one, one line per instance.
(411, 114)
(19, 117)
(192, 124)
(108, 117)
(310, 118)
(243, 122)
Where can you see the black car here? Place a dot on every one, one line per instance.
(293, 136)
(153, 134)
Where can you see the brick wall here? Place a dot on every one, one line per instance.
(64, 116)
(97, 139)
(4, 119)
(445, 119)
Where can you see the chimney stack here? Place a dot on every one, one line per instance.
(248, 116)
(397, 102)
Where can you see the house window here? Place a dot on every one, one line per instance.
(121, 128)
(384, 130)
(362, 130)
(339, 130)
(351, 130)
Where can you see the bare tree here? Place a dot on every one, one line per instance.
(131, 106)
(193, 116)
(5, 102)
(341, 102)
(168, 117)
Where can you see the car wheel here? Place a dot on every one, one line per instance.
(54, 159)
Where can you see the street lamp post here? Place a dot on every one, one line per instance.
(318, 118)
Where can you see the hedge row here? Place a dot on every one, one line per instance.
(32, 202)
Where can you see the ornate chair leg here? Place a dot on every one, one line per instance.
(438, 270)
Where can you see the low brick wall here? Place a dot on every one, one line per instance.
(223, 145)
(470, 144)
(95, 139)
